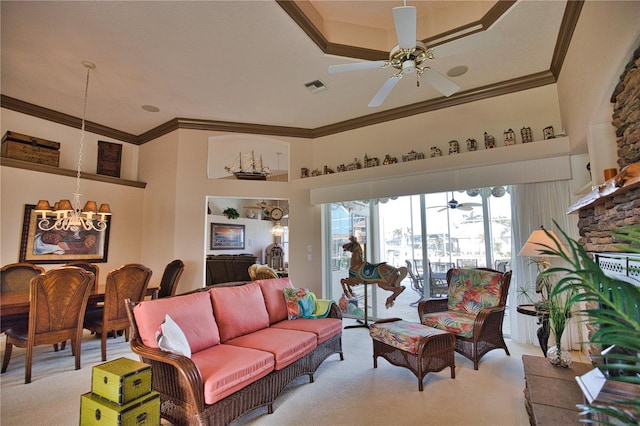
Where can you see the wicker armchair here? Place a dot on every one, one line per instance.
(477, 326)
(261, 272)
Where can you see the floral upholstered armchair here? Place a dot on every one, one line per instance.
(473, 310)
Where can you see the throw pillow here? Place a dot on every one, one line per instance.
(171, 338)
(292, 297)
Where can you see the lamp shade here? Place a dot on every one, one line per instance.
(533, 246)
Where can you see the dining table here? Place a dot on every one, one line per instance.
(17, 303)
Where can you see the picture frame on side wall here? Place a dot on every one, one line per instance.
(59, 246)
(226, 237)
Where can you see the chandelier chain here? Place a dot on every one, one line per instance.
(82, 130)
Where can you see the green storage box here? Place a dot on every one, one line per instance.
(95, 410)
(121, 380)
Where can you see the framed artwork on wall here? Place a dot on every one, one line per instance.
(225, 236)
(59, 246)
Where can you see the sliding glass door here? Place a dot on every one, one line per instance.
(427, 234)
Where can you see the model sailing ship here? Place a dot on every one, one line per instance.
(248, 166)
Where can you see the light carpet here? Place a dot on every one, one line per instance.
(349, 392)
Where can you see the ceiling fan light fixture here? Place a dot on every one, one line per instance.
(408, 66)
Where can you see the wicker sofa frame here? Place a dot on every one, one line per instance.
(181, 387)
(487, 327)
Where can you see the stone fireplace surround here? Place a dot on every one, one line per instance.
(617, 202)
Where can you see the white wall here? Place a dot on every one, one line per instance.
(19, 187)
(603, 42)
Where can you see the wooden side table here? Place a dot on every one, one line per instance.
(552, 393)
(543, 320)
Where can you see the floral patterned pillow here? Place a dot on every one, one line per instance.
(296, 306)
(471, 290)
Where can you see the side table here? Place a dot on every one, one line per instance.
(543, 320)
(552, 393)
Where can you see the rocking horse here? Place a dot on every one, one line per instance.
(386, 276)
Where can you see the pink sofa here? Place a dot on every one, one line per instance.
(244, 349)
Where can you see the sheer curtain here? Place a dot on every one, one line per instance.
(534, 205)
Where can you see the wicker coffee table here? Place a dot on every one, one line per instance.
(414, 346)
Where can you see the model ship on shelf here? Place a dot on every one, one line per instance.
(248, 166)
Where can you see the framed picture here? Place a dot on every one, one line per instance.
(225, 236)
(57, 246)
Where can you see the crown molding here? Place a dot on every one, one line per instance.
(567, 27)
(64, 119)
(498, 89)
(569, 22)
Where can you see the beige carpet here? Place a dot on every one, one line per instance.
(349, 392)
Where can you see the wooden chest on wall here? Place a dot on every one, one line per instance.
(31, 149)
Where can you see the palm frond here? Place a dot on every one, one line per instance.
(616, 318)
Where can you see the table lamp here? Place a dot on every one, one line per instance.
(533, 248)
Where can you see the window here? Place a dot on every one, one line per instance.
(469, 228)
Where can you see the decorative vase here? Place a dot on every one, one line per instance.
(559, 357)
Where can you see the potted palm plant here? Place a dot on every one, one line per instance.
(613, 307)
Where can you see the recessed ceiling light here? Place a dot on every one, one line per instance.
(150, 108)
(457, 71)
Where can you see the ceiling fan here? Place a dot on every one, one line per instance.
(411, 55)
(453, 204)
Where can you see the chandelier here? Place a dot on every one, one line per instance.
(66, 215)
(278, 230)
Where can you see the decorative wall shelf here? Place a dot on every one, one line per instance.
(9, 162)
(485, 157)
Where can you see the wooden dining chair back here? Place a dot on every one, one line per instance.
(58, 299)
(15, 277)
(91, 267)
(128, 281)
(170, 279)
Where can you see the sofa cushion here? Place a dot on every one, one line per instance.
(239, 310)
(192, 312)
(226, 369)
(272, 293)
(286, 345)
(458, 323)
(471, 290)
(323, 328)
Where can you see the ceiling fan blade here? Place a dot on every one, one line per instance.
(443, 209)
(356, 66)
(466, 44)
(439, 82)
(464, 207)
(384, 91)
(404, 18)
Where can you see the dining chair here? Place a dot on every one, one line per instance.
(170, 279)
(128, 281)
(58, 299)
(91, 267)
(15, 277)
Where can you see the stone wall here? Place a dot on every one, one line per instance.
(626, 113)
(598, 220)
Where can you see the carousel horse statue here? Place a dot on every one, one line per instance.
(386, 276)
